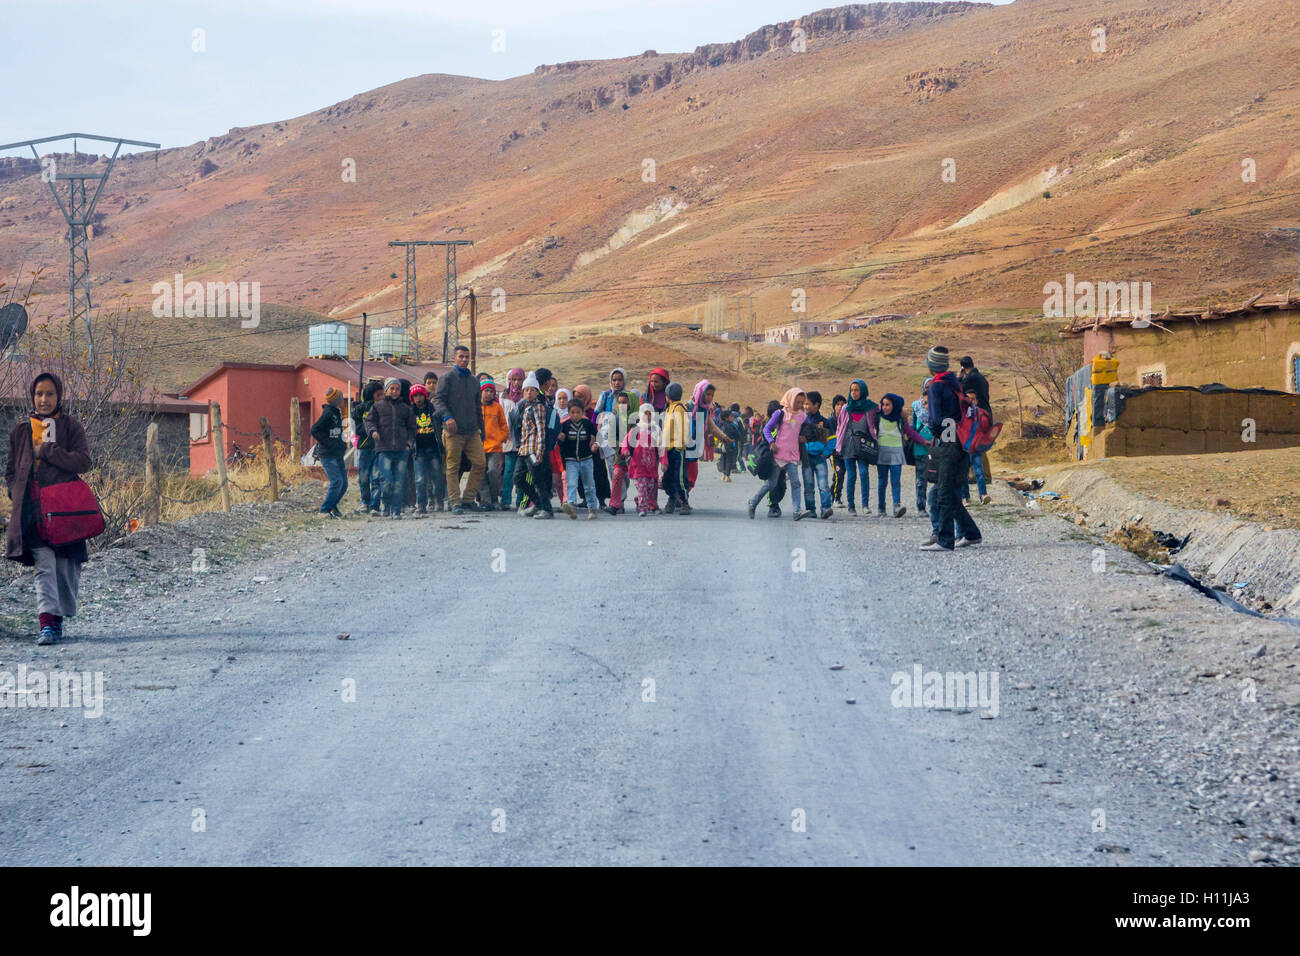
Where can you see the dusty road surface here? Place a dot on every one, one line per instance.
(683, 690)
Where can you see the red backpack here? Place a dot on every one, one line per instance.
(67, 512)
(976, 431)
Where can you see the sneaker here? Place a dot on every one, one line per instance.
(967, 542)
(507, 506)
(362, 509)
(543, 515)
(458, 509)
(328, 514)
(774, 511)
(922, 511)
(935, 546)
(827, 512)
(470, 506)
(670, 507)
(880, 513)
(986, 500)
(684, 510)
(421, 510)
(396, 516)
(853, 511)
(374, 513)
(48, 635)
(610, 509)
(569, 510)
(642, 514)
(530, 511)
(752, 509)
(933, 539)
(591, 516)
(900, 511)
(800, 515)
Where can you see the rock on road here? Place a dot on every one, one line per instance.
(621, 691)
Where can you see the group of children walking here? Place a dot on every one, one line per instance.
(942, 434)
(540, 442)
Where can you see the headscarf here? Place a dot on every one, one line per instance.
(787, 402)
(584, 393)
(620, 372)
(857, 406)
(514, 392)
(567, 395)
(657, 400)
(697, 395)
(897, 401)
(58, 391)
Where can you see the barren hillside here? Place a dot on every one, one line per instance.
(767, 163)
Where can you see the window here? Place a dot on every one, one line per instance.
(1293, 367)
(1153, 379)
(198, 426)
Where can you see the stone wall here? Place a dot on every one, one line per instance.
(1188, 422)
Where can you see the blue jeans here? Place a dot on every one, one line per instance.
(585, 471)
(508, 495)
(367, 477)
(932, 500)
(816, 471)
(791, 470)
(392, 474)
(920, 484)
(885, 475)
(977, 466)
(337, 473)
(859, 468)
(430, 476)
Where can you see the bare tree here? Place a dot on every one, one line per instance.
(1045, 361)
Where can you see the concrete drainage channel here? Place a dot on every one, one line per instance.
(1257, 566)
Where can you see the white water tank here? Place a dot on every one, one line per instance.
(391, 342)
(328, 341)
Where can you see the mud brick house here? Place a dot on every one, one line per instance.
(247, 391)
(1188, 381)
(1254, 345)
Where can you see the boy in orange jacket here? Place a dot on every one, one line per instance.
(496, 431)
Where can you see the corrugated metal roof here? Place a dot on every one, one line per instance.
(1256, 304)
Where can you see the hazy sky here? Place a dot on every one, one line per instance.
(129, 68)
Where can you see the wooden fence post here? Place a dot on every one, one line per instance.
(219, 446)
(295, 430)
(152, 477)
(268, 450)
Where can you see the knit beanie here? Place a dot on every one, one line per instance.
(530, 381)
(674, 391)
(936, 360)
(391, 381)
(332, 395)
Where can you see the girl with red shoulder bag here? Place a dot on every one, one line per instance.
(46, 455)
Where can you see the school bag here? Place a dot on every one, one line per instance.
(977, 430)
(761, 461)
(858, 442)
(67, 512)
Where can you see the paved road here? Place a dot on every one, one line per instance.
(519, 697)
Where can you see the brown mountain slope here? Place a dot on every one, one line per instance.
(767, 161)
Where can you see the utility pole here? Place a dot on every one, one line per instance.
(410, 314)
(1296, 231)
(78, 214)
(451, 323)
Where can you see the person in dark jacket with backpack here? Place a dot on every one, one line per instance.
(330, 448)
(47, 449)
(391, 426)
(367, 475)
(972, 379)
(949, 460)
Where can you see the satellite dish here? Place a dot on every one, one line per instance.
(13, 323)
